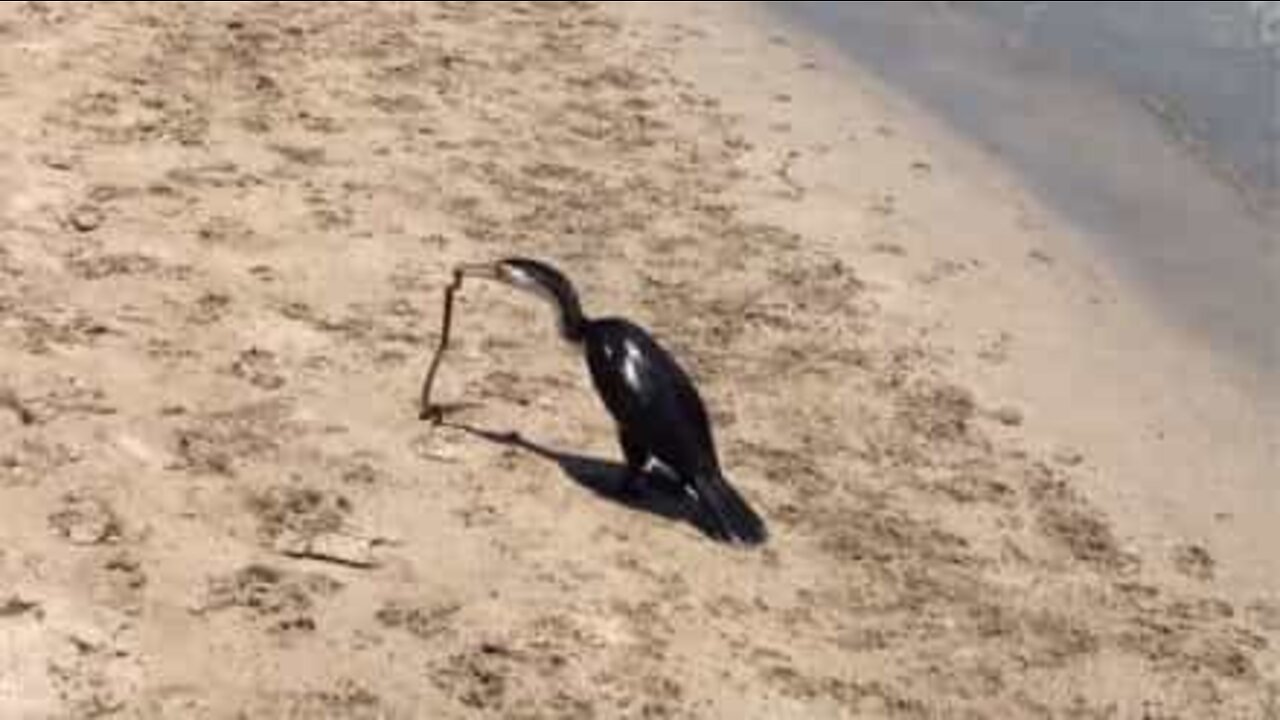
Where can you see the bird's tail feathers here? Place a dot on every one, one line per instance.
(732, 517)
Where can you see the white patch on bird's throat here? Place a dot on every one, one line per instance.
(527, 282)
(523, 280)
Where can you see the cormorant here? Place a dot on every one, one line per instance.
(660, 417)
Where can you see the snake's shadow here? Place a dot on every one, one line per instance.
(657, 495)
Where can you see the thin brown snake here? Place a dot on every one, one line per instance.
(426, 410)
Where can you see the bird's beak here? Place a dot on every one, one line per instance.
(488, 271)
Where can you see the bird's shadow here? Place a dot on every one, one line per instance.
(656, 495)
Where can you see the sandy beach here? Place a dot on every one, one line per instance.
(999, 484)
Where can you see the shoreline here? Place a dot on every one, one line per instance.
(1155, 209)
(1091, 338)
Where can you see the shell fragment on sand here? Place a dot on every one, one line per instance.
(349, 550)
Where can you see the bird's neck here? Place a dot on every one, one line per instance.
(572, 322)
(568, 312)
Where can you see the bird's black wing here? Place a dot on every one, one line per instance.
(650, 396)
(659, 409)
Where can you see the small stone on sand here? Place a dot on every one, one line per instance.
(86, 218)
(1006, 415)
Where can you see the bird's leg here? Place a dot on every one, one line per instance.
(637, 457)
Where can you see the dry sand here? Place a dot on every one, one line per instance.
(998, 486)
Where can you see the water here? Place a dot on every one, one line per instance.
(1155, 126)
(1211, 70)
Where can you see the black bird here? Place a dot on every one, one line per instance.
(660, 416)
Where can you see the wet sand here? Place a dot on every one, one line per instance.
(1146, 126)
(224, 230)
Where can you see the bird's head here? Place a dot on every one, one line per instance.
(533, 276)
(539, 278)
